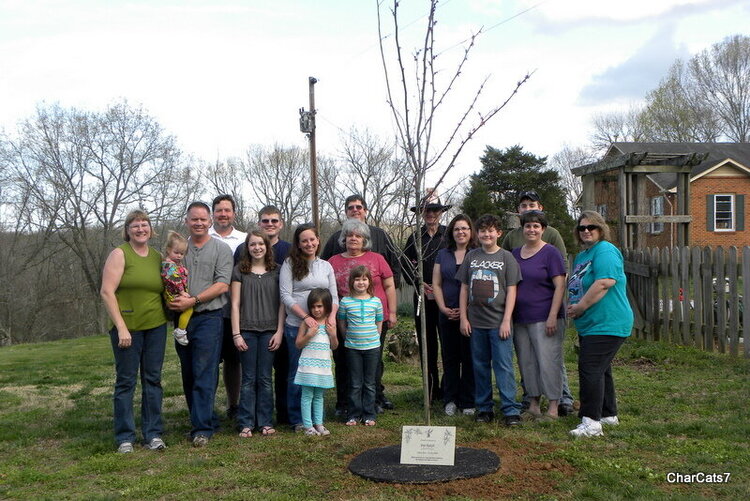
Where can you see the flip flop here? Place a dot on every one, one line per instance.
(351, 422)
(246, 433)
(370, 422)
(267, 430)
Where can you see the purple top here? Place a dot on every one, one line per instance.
(448, 269)
(536, 290)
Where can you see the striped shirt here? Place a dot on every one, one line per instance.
(360, 316)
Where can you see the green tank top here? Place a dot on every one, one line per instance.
(139, 294)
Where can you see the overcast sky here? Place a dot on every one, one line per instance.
(224, 74)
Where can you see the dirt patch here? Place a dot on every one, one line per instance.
(521, 473)
(57, 397)
(640, 363)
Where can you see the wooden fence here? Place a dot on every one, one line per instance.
(691, 296)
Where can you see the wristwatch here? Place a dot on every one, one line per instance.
(197, 301)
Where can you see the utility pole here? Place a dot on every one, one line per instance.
(307, 126)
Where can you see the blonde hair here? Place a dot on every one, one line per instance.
(136, 215)
(174, 239)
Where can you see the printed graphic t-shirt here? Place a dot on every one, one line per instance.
(488, 277)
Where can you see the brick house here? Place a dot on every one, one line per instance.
(718, 177)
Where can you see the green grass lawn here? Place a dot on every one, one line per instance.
(681, 410)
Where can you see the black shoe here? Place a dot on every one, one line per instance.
(379, 409)
(514, 420)
(525, 404)
(485, 417)
(565, 410)
(387, 404)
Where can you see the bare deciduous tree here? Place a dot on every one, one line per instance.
(280, 176)
(75, 174)
(614, 126)
(563, 161)
(419, 86)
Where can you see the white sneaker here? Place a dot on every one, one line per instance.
(125, 448)
(156, 444)
(312, 432)
(322, 430)
(588, 428)
(180, 335)
(450, 409)
(469, 411)
(610, 420)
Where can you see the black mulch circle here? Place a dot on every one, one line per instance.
(382, 464)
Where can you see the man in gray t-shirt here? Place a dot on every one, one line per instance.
(209, 265)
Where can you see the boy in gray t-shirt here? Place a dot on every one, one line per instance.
(488, 277)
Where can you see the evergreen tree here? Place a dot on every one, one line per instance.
(504, 175)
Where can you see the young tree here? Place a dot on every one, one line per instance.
(563, 161)
(419, 86)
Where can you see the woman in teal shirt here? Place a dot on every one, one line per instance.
(132, 294)
(603, 317)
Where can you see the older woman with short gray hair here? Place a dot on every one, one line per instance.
(355, 238)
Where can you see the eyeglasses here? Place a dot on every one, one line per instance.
(461, 228)
(590, 227)
(355, 207)
(272, 221)
(136, 226)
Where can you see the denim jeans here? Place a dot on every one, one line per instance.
(256, 395)
(199, 364)
(146, 352)
(363, 366)
(458, 371)
(488, 348)
(293, 391)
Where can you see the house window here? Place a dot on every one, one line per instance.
(657, 209)
(724, 212)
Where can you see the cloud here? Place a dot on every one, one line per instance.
(638, 74)
(557, 17)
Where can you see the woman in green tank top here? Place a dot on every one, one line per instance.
(132, 294)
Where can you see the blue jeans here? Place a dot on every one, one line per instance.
(256, 395)
(199, 364)
(293, 391)
(488, 348)
(363, 368)
(146, 352)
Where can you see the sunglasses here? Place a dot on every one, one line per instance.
(266, 221)
(590, 227)
(355, 207)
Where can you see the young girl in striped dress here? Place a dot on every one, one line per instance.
(360, 316)
(314, 372)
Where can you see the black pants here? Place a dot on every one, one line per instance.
(597, 388)
(458, 370)
(342, 372)
(431, 316)
(281, 370)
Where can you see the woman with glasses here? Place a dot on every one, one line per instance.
(132, 293)
(538, 318)
(603, 318)
(458, 371)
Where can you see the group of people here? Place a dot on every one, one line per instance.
(277, 315)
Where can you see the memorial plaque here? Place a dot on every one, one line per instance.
(434, 445)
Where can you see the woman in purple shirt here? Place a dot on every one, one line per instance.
(458, 372)
(539, 319)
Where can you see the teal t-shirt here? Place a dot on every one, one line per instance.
(611, 315)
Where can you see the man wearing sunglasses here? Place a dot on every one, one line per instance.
(530, 201)
(355, 207)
